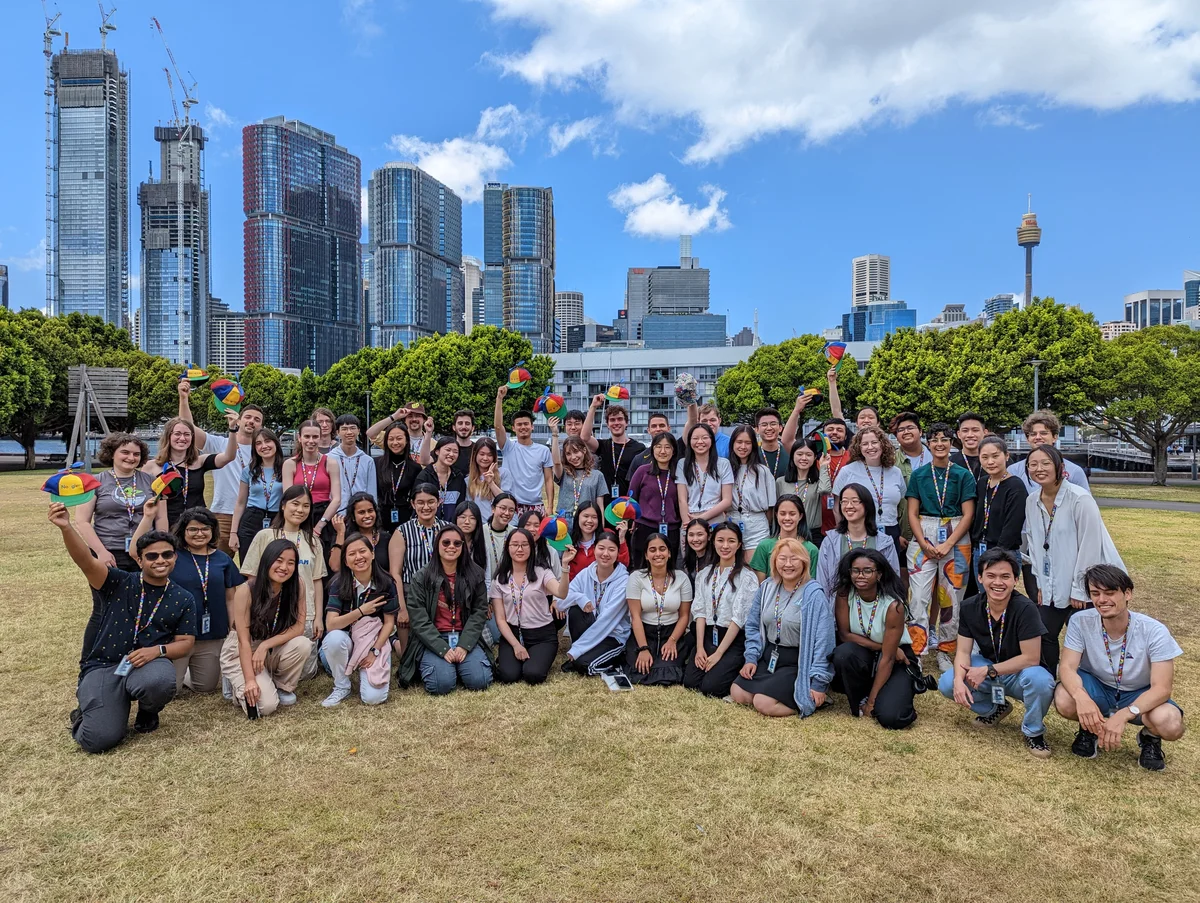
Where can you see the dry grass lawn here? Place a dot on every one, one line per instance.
(1176, 491)
(567, 791)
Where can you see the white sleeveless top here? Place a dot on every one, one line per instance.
(874, 614)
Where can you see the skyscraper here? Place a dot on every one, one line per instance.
(303, 284)
(493, 254)
(415, 227)
(4, 286)
(368, 270)
(91, 185)
(472, 275)
(1029, 236)
(1161, 307)
(1191, 293)
(181, 165)
(529, 265)
(997, 305)
(226, 337)
(666, 291)
(568, 309)
(872, 279)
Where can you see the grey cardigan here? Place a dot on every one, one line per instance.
(817, 638)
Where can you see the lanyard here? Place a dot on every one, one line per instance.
(427, 539)
(920, 458)
(443, 487)
(187, 479)
(988, 498)
(778, 458)
(304, 475)
(598, 591)
(203, 577)
(138, 626)
(866, 626)
(396, 483)
(518, 596)
(278, 612)
(358, 459)
(491, 537)
(662, 494)
(1118, 669)
(660, 599)
(360, 592)
(712, 592)
(996, 641)
(1047, 525)
(451, 605)
(703, 477)
(940, 494)
(576, 490)
(616, 458)
(779, 611)
(740, 487)
(126, 498)
(878, 490)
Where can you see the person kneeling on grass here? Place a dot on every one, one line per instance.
(447, 609)
(520, 597)
(789, 639)
(143, 622)
(264, 654)
(1117, 668)
(998, 649)
(359, 618)
(660, 603)
(597, 613)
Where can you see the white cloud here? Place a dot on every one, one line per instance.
(33, 260)
(215, 118)
(359, 17)
(506, 122)
(1004, 116)
(654, 210)
(741, 71)
(563, 136)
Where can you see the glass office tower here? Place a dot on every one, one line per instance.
(529, 265)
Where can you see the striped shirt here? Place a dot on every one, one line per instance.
(418, 546)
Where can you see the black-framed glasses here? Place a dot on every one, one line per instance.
(864, 572)
(154, 556)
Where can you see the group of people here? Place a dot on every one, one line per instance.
(764, 567)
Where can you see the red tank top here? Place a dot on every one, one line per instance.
(315, 478)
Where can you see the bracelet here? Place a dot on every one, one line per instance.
(642, 649)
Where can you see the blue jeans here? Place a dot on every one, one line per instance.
(441, 677)
(1032, 686)
(1108, 699)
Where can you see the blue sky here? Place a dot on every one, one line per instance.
(787, 137)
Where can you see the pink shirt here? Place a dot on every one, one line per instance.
(533, 600)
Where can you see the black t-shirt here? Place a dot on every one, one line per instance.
(623, 456)
(1021, 622)
(1003, 506)
(395, 488)
(390, 607)
(970, 462)
(194, 483)
(462, 464)
(449, 494)
(776, 461)
(167, 612)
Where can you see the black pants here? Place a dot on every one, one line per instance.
(608, 653)
(249, 527)
(1031, 587)
(579, 620)
(542, 645)
(854, 669)
(720, 677)
(1054, 619)
(641, 538)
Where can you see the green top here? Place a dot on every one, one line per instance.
(761, 561)
(942, 490)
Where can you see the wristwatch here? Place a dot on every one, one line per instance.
(643, 649)
(992, 672)
(162, 652)
(377, 652)
(1135, 711)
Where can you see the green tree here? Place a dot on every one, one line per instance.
(1151, 390)
(773, 374)
(26, 385)
(272, 390)
(344, 387)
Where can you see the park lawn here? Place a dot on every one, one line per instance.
(1176, 491)
(567, 791)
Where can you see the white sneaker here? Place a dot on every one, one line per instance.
(226, 689)
(286, 698)
(334, 698)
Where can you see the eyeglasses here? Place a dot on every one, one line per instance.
(154, 556)
(451, 543)
(863, 572)
(196, 531)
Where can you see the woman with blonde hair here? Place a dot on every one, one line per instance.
(177, 445)
(790, 635)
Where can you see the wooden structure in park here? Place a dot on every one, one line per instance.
(104, 390)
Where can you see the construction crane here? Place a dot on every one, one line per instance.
(184, 126)
(48, 37)
(105, 25)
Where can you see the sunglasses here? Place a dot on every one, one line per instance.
(451, 543)
(154, 556)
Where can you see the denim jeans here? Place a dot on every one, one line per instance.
(441, 677)
(1032, 686)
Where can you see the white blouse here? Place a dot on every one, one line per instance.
(641, 587)
(732, 602)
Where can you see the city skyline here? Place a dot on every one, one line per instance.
(957, 168)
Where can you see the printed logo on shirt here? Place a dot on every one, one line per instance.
(129, 496)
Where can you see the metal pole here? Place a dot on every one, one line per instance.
(1195, 472)
(368, 409)
(1037, 400)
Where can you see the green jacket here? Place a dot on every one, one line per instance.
(421, 597)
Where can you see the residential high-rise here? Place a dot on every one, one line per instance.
(4, 285)
(1029, 236)
(997, 305)
(181, 164)
(1160, 307)
(90, 194)
(472, 275)
(226, 336)
(493, 254)
(529, 265)
(303, 284)
(415, 228)
(568, 309)
(1114, 328)
(871, 279)
(368, 270)
(666, 291)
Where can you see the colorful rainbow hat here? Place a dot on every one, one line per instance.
(228, 395)
(816, 394)
(622, 508)
(518, 376)
(168, 483)
(554, 530)
(834, 352)
(550, 404)
(616, 393)
(195, 375)
(72, 488)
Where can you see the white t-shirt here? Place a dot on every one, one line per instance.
(885, 481)
(522, 473)
(704, 491)
(227, 480)
(1147, 641)
(641, 587)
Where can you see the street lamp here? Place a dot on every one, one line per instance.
(1037, 403)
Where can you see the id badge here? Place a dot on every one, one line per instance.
(615, 490)
(742, 527)
(206, 623)
(716, 639)
(395, 516)
(997, 694)
(773, 661)
(662, 529)
(266, 523)
(829, 500)
(1046, 567)
(124, 667)
(943, 533)
(452, 639)
(982, 547)
(128, 542)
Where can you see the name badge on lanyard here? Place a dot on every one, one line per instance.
(943, 533)
(267, 523)
(774, 660)
(998, 692)
(206, 623)
(829, 499)
(662, 529)
(395, 516)
(1046, 566)
(716, 639)
(615, 489)
(128, 542)
(124, 667)
(452, 639)
(982, 547)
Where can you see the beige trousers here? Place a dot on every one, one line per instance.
(281, 671)
(204, 663)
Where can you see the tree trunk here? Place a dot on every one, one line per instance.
(28, 442)
(1160, 463)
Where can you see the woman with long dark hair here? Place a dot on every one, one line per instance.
(470, 521)
(412, 547)
(697, 549)
(396, 475)
(705, 480)
(654, 488)
(589, 521)
(448, 608)
(259, 490)
(321, 475)
(789, 524)
(359, 618)
(499, 525)
(753, 489)
(543, 555)
(597, 613)
(264, 656)
(874, 647)
(855, 530)
(452, 486)
(520, 596)
(807, 477)
(724, 591)
(483, 475)
(362, 516)
(660, 602)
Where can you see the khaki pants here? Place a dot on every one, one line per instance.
(281, 672)
(204, 663)
(225, 522)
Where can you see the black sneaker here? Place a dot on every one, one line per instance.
(1151, 756)
(1085, 745)
(1002, 712)
(76, 716)
(145, 722)
(1038, 747)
